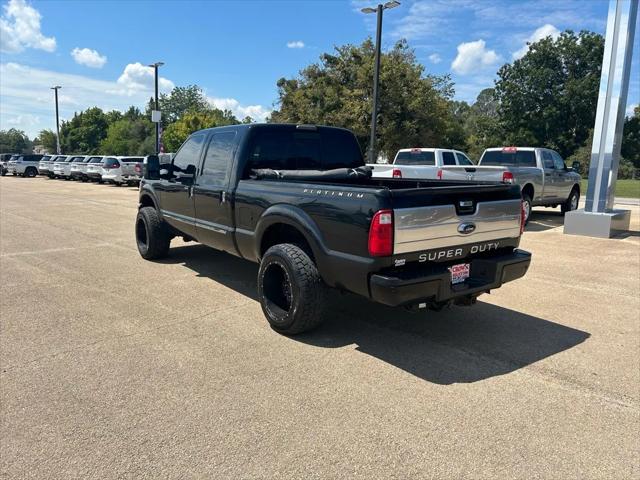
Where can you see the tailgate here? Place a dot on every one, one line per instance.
(455, 216)
(490, 174)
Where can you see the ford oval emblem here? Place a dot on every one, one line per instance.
(466, 228)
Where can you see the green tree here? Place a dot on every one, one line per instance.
(14, 141)
(180, 101)
(414, 108)
(176, 133)
(482, 125)
(47, 138)
(548, 97)
(84, 132)
(631, 138)
(129, 136)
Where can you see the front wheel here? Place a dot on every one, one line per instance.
(572, 201)
(152, 234)
(291, 292)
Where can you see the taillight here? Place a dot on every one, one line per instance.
(522, 217)
(381, 234)
(439, 174)
(507, 177)
(138, 169)
(397, 173)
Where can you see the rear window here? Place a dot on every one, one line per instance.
(133, 159)
(295, 149)
(95, 160)
(415, 158)
(111, 163)
(14, 157)
(521, 158)
(76, 159)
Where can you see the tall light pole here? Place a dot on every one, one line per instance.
(376, 72)
(156, 117)
(55, 89)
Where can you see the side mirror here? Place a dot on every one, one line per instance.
(576, 166)
(151, 167)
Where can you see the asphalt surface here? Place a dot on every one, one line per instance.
(115, 367)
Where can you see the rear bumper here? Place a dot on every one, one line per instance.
(486, 274)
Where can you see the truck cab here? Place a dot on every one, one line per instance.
(420, 163)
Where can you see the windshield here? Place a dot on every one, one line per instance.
(418, 157)
(523, 158)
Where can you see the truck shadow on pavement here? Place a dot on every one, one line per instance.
(457, 345)
(544, 219)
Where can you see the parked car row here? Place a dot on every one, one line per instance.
(542, 175)
(118, 170)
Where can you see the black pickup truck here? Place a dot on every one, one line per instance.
(299, 200)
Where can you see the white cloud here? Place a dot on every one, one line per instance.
(630, 108)
(138, 78)
(88, 57)
(435, 58)
(26, 98)
(473, 56)
(20, 29)
(544, 31)
(295, 44)
(256, 112)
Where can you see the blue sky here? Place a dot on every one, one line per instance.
(237, 50)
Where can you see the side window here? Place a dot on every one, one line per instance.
(218, 158)
(547, 159)
(558, 162)
(462, 159)
(189, 154)
(448, 158)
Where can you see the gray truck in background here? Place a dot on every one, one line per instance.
(541, 173)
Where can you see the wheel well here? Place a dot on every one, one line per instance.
(147, 201)
(283, 233)
(528, 189)
(576, 187)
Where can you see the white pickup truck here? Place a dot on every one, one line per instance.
(420, 163)
(541, 173)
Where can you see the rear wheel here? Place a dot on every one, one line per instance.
(152, 234)
(526, 205)
(31, 172)
(572, 201)
(291, 291)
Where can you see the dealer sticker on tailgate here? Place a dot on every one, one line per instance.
(459, 273)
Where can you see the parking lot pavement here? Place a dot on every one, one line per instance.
(112, 366)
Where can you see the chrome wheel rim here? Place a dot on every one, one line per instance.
(574, 202)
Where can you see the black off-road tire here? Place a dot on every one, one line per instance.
(572, 202)
(287, 268)
(31, 172)
(152, 234)
(526, 199)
